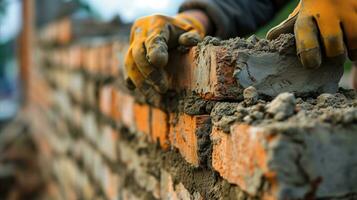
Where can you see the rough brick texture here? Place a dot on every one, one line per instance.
(108, 143)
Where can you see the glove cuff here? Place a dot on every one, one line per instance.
(194, 22)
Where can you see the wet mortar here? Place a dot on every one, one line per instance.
(335, 109)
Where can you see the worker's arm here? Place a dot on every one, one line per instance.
(232, 18)
(153, 36)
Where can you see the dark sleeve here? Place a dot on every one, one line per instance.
(236, 17)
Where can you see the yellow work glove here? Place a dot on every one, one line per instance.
(150, 40)
(333, 22)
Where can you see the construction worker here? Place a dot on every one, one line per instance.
(321, 27)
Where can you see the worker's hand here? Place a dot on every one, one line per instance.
(150, 40)
(333, 22)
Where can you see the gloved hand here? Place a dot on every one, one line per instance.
(333, 22)
(150, 40)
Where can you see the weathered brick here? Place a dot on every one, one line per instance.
(64, 31)
(282, 161)
(105, 99)
(98, 166)
(114, 59)
(115, 113)
(238, 155)
(74, 57)
(108, 142)
(205, 72)
(92, 59)
(89, 93)
(126, 109)
(76, 85)
(90, 126)
(77, 116)
(110, 183)
(182, 135)
(138, 164)
(160, 128)
(142, 119)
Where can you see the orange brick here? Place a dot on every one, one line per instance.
(92, 60)
(160, 128)
(107, 59)
(114, 114)
(212, 78)
(110, 184)
(74, 58)
(241, 155)
(114, 60)
(142, 118)
(105, 100)
(102, 59)
(183, 136)
(116, 106)
(64, 31)
(77, 116)
(126, 109)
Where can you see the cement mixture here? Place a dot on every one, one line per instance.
(339, 108)
(273, 67)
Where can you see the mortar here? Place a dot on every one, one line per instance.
(273, 67)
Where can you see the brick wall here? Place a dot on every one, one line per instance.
(108, 143)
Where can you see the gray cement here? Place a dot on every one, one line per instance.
(273, 67)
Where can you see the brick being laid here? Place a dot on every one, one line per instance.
(205, 73)
(221, 70)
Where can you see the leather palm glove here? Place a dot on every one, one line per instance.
(150, 40)
(333, 22)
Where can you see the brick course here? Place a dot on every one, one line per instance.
(110, 144)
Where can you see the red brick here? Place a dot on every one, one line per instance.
(183, 136)
(241, 155)
(64, 31)
(74, 57)
(110, 184)
(107, 70)
(126, 109)
(105, 100)
(115, 105)
(142, 118)
(160, 128)
(92, 60)
(108, 142)
(211, 77)
(102, 59)
(77, 116)
(114, 59)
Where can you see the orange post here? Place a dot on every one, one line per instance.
(26, 46)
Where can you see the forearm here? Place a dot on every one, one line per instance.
(230, 18)
(201, 17)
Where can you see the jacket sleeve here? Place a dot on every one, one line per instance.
(235, 17)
